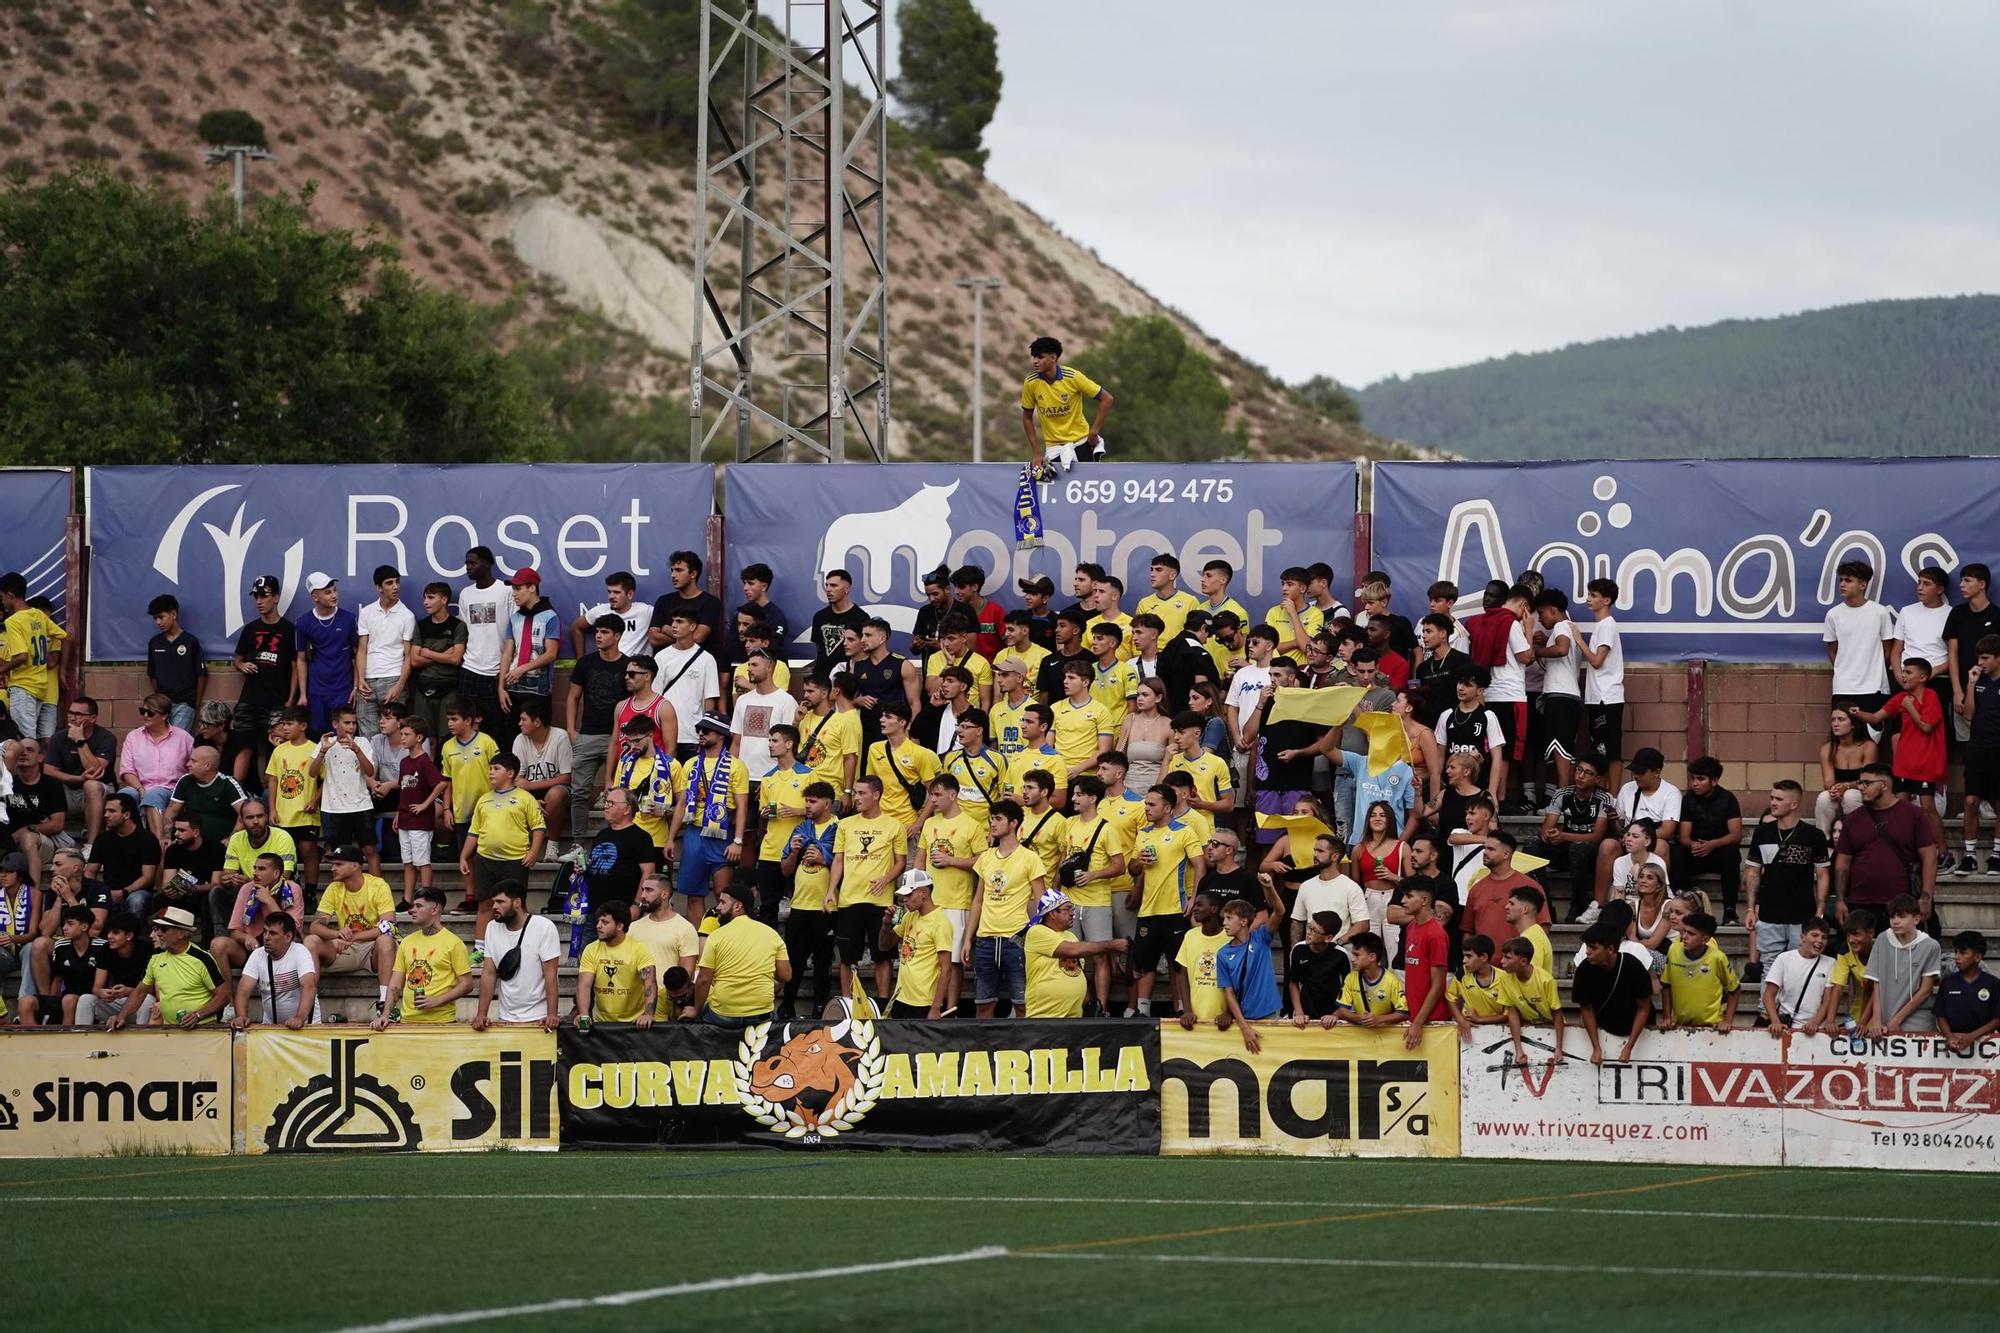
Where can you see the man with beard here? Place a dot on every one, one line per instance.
(674, 940)
(528, 993)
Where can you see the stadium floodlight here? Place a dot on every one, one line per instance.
(978, 287)
(236, 155)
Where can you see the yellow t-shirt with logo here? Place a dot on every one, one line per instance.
(1311, 617)
(1047, 758)
(868, 849)
(292, 786)
(1055, 985)
(787, 788)
(743, 959)
(1197, 957)
(1006, 720)
(1850, 971)
(1058, 404)
(1384, 995)
(1030, 657)
(1210, 774)
(431, 965)
(639, 781)
(1008, 885)
(666, 942)
(981, 669)
(1698, 985)
(1123, 620)
(923, 939)
(982, 779)
(1538, 940)
(1080, 730)
(958, 836)
(1535, 1000)
(1045, 834)
(464, 765)
(32, 635)
(916, 763)
(808, 881)
(1167, 883)
(1077, 834)
(832, 738)
(1172, 610)
(357, 909)
(1114, 687)
(1475, 999)
(736, 789)
(617, 977)
(505, 823)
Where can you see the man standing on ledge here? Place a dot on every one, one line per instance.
(1055, 394)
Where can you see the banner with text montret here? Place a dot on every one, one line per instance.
(204, 533)
(34, 532)
(1728, 560)
(890, 524)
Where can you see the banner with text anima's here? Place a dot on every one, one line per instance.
(204, 533)
(81, 1094)
(1309, 1092)
(1739, 1098)
(345, 1089)
(34, 531)
(1080, 1087)
(1731, 560)
(889, 525)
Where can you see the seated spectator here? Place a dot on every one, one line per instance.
(356, 925)
(207, 796)
(20, 921)
(1701, 985)
(1647, 795)
(154, 758)
(1710, 836)
(239, 855)
(121, 968)
(1903, 966)
(38, 817)
(126, 856)
(281, 975)
(1968, 998)
(432, 964)
(83, 759)
(188, 870)
(64, 971)
(1638, 840)
(544, 752)
(1575, 824)
(185, 980)
(1847, 750)
(267, 891)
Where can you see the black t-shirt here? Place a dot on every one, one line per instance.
(1319, 977)
(1986, 713)
(32, 802)
(1049, 679)
(1966, 627)
(613, 867)
(1788, 858)
(202, 862)
(883, 681)
(93, 895)
(1451, 810)
(1295, 774)
(65, 756)
(1576, 813)
(123, 859)
(274, 648)
(76, 973)
(127, 971)
(706, 609)
(434, 678)
(1613, 993)
(603, 686)
(1238, 883)
(175, 666)
(828, 629)
(1708, 816)
(1433, 680)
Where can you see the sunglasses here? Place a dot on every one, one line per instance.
(145, 712)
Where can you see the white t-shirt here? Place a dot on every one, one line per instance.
(1460, 639)
(633, 640)
(284, 974)
(1921, 628)
(523, 997)
(552, 760)
(752, 719)
(1244, 688)
(1859, 631)
(1801, 983)
(1662, 805)
(1339, 894)
(342, 789)
(1605, 684)
(388, 633)
(1625, 873)
(485, 617)
(1631, 947)
(697, 683)
(1560, 674)
(1509, 680)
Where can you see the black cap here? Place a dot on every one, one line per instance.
(344, 852)
(265, 585)
(938, 577)
(1041, 583)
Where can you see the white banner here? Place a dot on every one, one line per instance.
(1737, 1099)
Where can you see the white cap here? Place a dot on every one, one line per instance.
(912, 881)
(319, 579)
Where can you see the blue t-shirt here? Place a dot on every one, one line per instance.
(328, 647)
(1396, 785)
(544, 628)
(1246, 969)
(1967, 1005)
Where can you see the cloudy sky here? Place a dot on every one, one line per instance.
(1368, 189)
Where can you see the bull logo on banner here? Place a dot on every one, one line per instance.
(921, 525)
(818, 1084)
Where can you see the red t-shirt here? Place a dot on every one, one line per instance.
(1396, 667)
(1919, 757)
(416, 778)
(992, 619)
(1424, 947)
(1485, 911)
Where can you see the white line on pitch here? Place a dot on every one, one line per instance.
(1406, 1264)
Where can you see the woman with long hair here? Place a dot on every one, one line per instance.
(1205, 699)
(1378, 866)
(1846, 752)
(1144, 736)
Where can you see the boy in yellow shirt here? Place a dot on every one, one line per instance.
(1214, 789)
(1037, 752)
(901, 763)
(1007, 879)
(869, 854)
(1474, 995)
(295, 791)
(1115, 681)
(432, 964)
(921, 941)
(1529, 993)
(504, 840)
(1197, 992)
(1083, 728)
(30, 660)
(1372, 996)
(1701, 987)
(1166, 600)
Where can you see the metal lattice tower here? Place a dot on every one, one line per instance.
(791, 244)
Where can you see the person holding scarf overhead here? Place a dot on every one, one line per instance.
(711, 810)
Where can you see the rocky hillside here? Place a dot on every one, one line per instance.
(477, 134)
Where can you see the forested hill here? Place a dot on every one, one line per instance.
(1879, 378)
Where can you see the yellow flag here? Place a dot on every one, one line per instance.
(1329, 707)
(864, 1003)
(1308, 825)
(1523, 864)
(1388, 742)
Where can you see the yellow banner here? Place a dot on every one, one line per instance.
(1309, 1092)
(79, 1094)
(334, 1089)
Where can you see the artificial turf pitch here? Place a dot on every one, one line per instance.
(673, 1239)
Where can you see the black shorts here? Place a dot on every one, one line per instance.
(303, 834)
(1912, 787)
(251, 719)
(856, 930)
(1561, 718)
(488, 875)
(1157, 938)
(1982, 774)
(1607, 731)
(897, 1009)
(356, 829)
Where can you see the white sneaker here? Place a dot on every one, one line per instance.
(551, 853)
(1589, 917)
(1097, 450)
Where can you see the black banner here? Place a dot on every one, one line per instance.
(1077, 1086)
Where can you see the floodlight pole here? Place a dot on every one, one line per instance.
(236, 155)
(978, 287)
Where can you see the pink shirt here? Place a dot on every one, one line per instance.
(159, 763)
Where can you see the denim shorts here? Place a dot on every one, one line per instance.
(700, 859)
(998, 957)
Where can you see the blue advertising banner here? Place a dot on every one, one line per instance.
(34, 531)
(203, 533)
(889, 524)
(1731, 560)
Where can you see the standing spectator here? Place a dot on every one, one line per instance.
(646, 703)
(1574, 826)
(126, 856)
(1243, 970)
(184, 980)
(420, 791)
(1859, 635)
(633, 635)
(1071, 648)
(386, 628)
(881, 676)
(1903, 967)
(83, 757)
(32, 652)
(961, 650)
(1797, 982)
(1700, 985)
(1018, 643)
(757, 713)
(1331, 891)
(432, 965)
(520, 965)
(645, 772)
(1437, 668)
(781, 803)
(756, 580)
(341, 767)
(1215, 599)
(949, 847)
(1919, 759)
(1426, 963)
(328, 637)
(504, 840)
(1604, 678)
(1316, 971)
(1294, 618)
(386, 750)
(37, 813)
(281, 976)
(1879, 849)
(1170, 858)
(154, 757)
(1968, 997)
(464, 757)
(703, 610)
(1008, 879)
(1970, 621)
(294, 787)
(904, 768)
(967, 584)
(1979, 707)
(1506, 698)
(869, 857)
(1920, 632)
(1787, 879)
(921, 939)
(831, 622)
(528, 664)
(832, 738)
(267, 653)
(742, 965)
(356, 924)
(485, 604)
(616, 979)
(1471, 728)
(437, 651)
(20, 921)
(1710, 836)
(1557, 647)
(1613, 992)
(673, 940)
(1530, 995)
(239, 854)
(808, 864)
(691, 685)
(546, 759)
(121, 970)
(711, 811)
(596, 689)
(1372, 995)
(925, 636)
(623, 854)
(1523, 911)
(1166, 599)
(174, 663)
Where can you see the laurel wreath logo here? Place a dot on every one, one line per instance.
(839, 1116)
